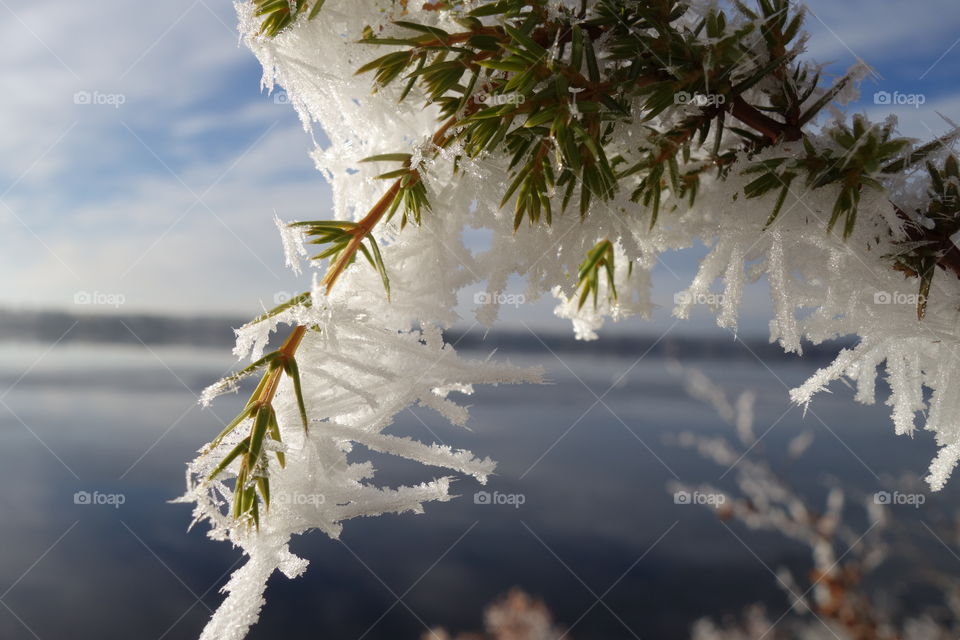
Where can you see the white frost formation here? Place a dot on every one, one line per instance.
(358, 373)
(371, 360)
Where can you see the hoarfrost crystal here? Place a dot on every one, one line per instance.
(371, 358)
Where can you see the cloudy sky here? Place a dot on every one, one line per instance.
(139, 156)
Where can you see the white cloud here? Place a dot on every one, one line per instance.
(879, 30)
(923, 122)
(162, 249)
(97, 202)
(94, 209)
(159, 57)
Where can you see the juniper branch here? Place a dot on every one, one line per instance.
(569, 102)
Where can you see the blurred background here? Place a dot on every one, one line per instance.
(141, 165)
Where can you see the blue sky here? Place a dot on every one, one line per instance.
(167, 199)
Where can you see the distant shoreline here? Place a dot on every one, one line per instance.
(48, 327)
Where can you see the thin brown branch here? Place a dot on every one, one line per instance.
(772, 130)
(287, 351)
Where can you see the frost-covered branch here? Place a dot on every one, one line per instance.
(849, 537)
(662, 123)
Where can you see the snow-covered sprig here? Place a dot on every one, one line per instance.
(601, 257)
(252, 452)
(551, 88)
(277, 15)
(862, 151)
(346, 239)
(580, 103)
(358, 372)
(932, 232)
(642, 115)
(764, 500)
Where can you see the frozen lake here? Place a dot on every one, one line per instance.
(588, 457)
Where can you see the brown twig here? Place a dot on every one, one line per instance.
(287, 351)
